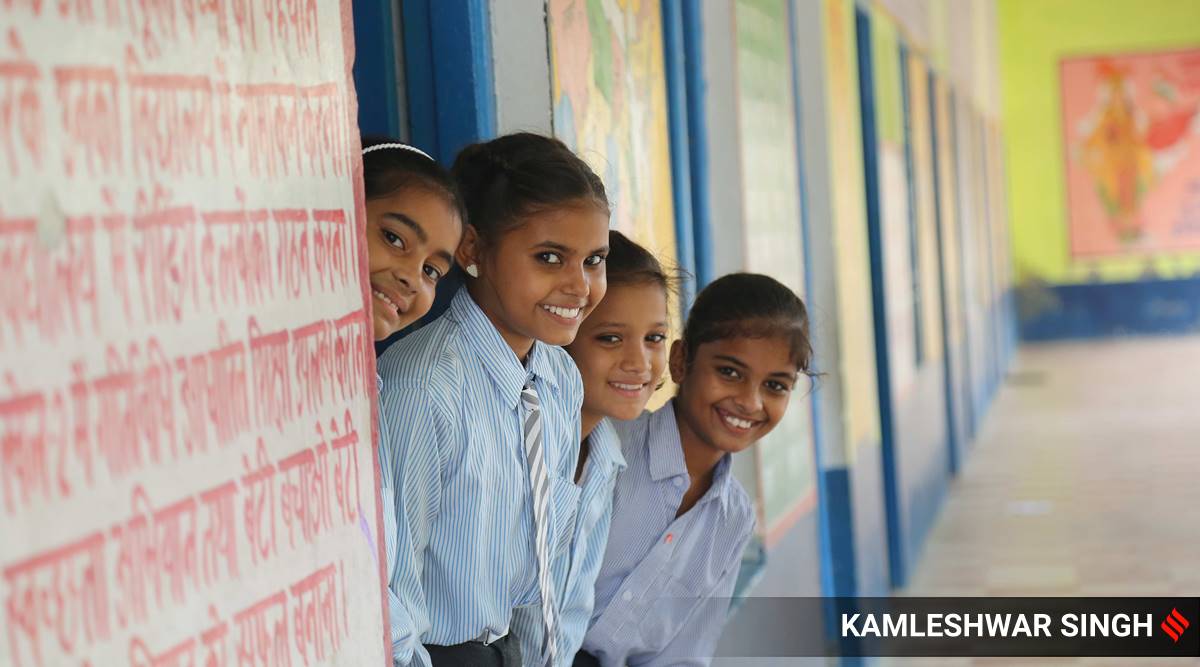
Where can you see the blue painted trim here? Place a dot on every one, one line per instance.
(843, 563)
(675, 63)
(866, 84)
(697, 122)
(910, 171)
(1095, 310)
(452, 99)
(375, 68)
(943, 310)
(826, 551)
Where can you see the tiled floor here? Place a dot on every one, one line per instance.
(1084, 481)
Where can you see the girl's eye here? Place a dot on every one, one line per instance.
(656, 338)
(594, 260)
(729, 372)
(778, 387)
(393, 239)
(432, 272)
(549, 258)
(608, 338)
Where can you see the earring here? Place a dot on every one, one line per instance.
(472, 270)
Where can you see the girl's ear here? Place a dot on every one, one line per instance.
(469, 249)
(678, 361)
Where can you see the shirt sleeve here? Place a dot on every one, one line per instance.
(696, 641)
(413, 432)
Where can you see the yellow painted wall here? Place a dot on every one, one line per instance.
(1034, 36)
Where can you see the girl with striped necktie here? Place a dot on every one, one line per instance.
(480, 411)
(621, 351)
(680, 520)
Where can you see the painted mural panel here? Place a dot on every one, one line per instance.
(773, 231)
(894, 213)
(1131, 133)
(857, 338)
(610, 106)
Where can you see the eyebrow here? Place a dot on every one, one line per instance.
(739, 362)
(552, 245)
(417, 229)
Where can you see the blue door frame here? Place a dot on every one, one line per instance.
(870, 147)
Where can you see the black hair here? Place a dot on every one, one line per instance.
(750, 305)
(510, 177)
(630, 264)
(389, 170)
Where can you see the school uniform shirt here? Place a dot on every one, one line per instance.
(453, 458)
(578, 571)
(663, 592)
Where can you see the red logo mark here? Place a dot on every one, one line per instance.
(1175, 625)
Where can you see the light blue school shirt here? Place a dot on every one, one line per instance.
(575, 600)
(663, 592)
(452, 458)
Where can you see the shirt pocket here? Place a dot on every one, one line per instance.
(667, 608)
(564, 501)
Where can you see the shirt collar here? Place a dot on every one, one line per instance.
(605, 445)
(666, 456)
(501, 364)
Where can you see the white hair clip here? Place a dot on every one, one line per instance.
(406, 147)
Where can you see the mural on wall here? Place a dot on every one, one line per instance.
(1131, 130)
(610, 106)
(857, 338)
(774, 240)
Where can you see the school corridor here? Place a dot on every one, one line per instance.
(1083, 481)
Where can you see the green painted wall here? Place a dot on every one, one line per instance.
(1034, 35)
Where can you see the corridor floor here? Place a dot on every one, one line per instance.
(1084, 481)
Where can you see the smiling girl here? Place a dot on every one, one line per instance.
(621, 351)
(680, 520)
(480, 411)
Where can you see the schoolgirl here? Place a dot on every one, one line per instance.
(414, 224)
(480, 411)
(621, 352)
(680, 519)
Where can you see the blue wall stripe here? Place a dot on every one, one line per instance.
(943, 310)
(675, 63)
(866, 83)
(697, 124)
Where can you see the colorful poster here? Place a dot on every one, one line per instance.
(774, 238)
(187, 393)
(1131, 131)
(610, 106)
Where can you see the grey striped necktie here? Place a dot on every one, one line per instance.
(539, 482)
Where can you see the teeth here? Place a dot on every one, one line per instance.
(627, 387)
(386, 300)
(568, 313)
(737, 423)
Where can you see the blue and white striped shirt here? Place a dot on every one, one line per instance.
(663, 592)
(452, 457)
(587, 551)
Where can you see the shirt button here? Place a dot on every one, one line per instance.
(678, 481)
(627, 596)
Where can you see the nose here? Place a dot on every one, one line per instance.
(635, 359)
(407, 274)
(575, 282)
(749, 399)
